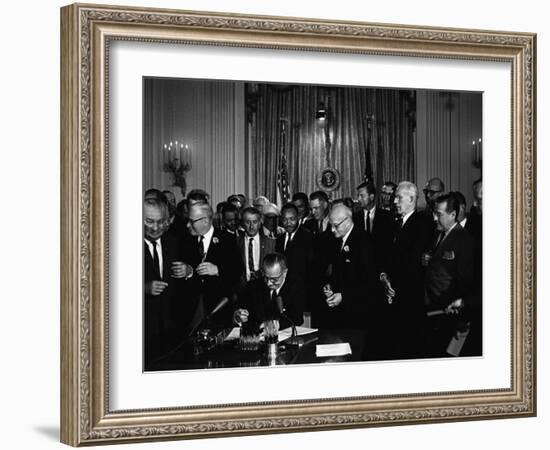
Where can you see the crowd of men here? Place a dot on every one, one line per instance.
(409, 278)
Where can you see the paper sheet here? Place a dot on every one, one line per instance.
(323, 350)
(283, 334)
(300, 331)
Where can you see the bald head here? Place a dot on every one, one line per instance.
(434, 188)
(340, 219)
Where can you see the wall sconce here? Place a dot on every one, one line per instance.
(477, 153)
(321, 116)
(177, 157)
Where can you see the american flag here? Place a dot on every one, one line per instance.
(283, 189)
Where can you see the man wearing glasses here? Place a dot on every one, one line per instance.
(216, 264)
(258, 301)
(350, 291)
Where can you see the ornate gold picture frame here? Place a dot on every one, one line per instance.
(87, 32)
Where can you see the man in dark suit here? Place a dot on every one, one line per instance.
(296, 243)
(472, 313)
(301, 202)
(376, 222)
(163, 269)
(350, 291)
(258, 301)
(229, 220)
(216, 262)
(387, 196)
(449, 274)
(253, 244)
(403, 277)
(324, 244)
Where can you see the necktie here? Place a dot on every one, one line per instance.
(439, 239)
(287, 241)
(320, 226)
(201, 248)
(156, 259)
(400, 222)
(251, 256)
(368, 222)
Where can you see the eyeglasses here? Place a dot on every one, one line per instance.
(430, 191)
(196, 220)
(336, 225)
(273, 279)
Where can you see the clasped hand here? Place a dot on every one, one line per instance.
(207, 268)
(240, 316)
(332, 298)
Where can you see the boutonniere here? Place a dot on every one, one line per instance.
(215, 240)
(346, 248)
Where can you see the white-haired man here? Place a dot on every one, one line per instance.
(216, 262)
(403, 278)
(349, 293)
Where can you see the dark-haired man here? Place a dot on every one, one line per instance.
(229, 219)
(253, 244)
(387, 194)
(376, 222)
(259, 300)
(318, 223)
(300, 200)
(296, 243)
(449, 274)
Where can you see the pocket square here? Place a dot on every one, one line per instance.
(448, 254)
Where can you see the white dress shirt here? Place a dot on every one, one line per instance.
(159, 252)
(207, 239)
(368, 214)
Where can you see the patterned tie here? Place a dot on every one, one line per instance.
(251, 256)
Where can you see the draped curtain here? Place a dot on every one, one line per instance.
(391, 155)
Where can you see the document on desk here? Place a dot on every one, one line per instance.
(283, 334)
(300, 331)
(324, 350)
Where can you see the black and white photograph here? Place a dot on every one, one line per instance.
(288, 224)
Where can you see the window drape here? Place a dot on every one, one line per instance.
(392, 140)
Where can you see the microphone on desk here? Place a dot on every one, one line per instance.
(206, 318)
(282, 311)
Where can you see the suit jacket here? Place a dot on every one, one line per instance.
(257, 300)
(267, 245)
(354, 276)
(405, 260)
(450, 272)
(223, 253)
(381, 235)
(159, 315)
(299, 253)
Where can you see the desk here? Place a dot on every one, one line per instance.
(227, 355)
